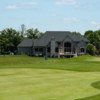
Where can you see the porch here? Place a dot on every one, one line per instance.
(68, 54)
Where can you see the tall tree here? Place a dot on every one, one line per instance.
(87, 33)
(23, 29)
(33, 33)
(94, 39)
(9, 39)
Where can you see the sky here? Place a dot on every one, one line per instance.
(50, 15)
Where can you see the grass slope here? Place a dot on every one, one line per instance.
(81, 64)
(29, 78)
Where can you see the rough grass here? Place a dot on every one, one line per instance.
(81, 64)
(33, 78)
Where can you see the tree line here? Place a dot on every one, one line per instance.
(10, 38)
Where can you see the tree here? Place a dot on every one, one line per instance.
(90, 49)
(76, 32)
(94, 39)
(10, 38)
(33, 33)
(23, 29)
(87, 33)
(40, 34)
(98, 31)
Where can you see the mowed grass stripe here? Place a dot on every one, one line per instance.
(40, 84)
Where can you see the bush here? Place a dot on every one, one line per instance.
(36, 55)
(99, 51)
(90, 49)
(40, 55)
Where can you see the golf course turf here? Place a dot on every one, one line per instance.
(32, 78)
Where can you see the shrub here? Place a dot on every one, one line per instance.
(40, 55)
(99, 51)
(90, 49)
(36, 55)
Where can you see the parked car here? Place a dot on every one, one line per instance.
(11, 53)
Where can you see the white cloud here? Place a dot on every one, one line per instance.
(94, 23)
(22, 5)
(54, 15)
(66, 2)
(32, 3)
(70, 20)
(84, 5)
(77, 6)
(97, 25)
(11, 7)
(17, 7)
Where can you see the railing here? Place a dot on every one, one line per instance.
(67, 53)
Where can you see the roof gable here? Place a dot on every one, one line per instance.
(81, 44)
(68, 38)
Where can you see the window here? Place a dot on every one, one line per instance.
(82, 49)
(67, 50)
(48, 50)
(56, 50)
(36, 49)
(40, 49)
(68, 44)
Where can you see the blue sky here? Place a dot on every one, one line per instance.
(51, 15)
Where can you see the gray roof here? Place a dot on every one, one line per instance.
(26, 43)
(79, 37)
(46, 38)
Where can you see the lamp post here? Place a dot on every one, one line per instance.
(46, 57)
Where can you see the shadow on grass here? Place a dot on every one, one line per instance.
(95, 97)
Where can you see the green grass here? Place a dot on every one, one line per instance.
(81, 64)
(95, 97)
(33, 78)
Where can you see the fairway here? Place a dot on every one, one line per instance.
(29, 78)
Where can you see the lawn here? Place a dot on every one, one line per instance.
(33, 78)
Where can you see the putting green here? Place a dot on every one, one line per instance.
(46, 84)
